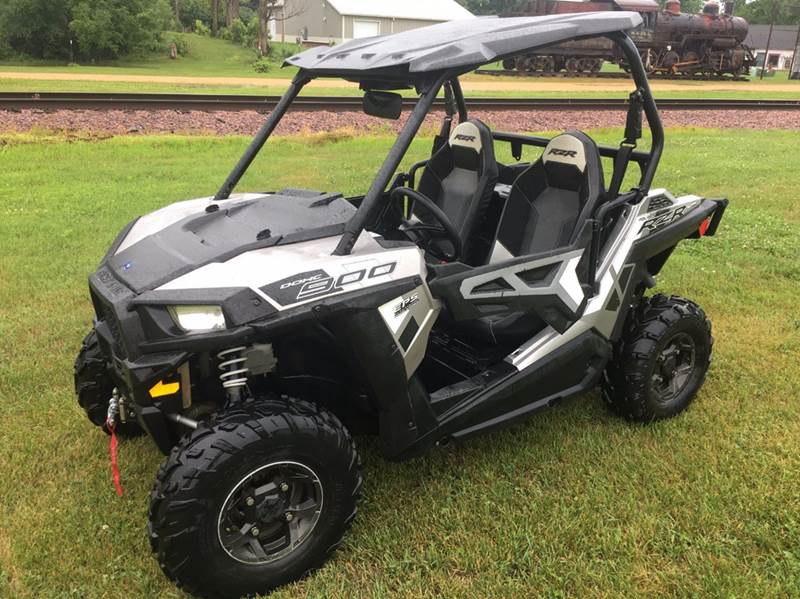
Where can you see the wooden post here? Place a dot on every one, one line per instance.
(769, 38)
(214, 17)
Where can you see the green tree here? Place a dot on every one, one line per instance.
(38, 28)
(493, 7)
(98, 29)
(110, 29)
(195, 10)
(787, 12)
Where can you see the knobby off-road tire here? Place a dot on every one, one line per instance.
(94, 387)
(661, 360)
(216, 466)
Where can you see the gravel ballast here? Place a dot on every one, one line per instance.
(124, 122)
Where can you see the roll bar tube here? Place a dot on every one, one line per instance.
(368, 205)
(458, 93)
(650, 109)
(261, 137)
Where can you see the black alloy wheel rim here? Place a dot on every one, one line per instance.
(270, 512)
(674, 367)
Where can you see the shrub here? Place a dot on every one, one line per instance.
(181, 45)
(289, 50)
(201, 28)
(236, 33)
(262, 65)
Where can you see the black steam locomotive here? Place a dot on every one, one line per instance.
(670, 42)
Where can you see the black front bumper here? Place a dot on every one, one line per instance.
(119, 332)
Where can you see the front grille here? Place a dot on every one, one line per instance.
(106, 315)
(113, 325)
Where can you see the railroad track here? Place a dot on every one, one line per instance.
(602, 75)
(187, 102)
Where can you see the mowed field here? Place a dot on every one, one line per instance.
(216, 66)
(573, 503)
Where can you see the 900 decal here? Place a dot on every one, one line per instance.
(316, 283)
(660, 220)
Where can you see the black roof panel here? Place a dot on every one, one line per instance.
(464, 43)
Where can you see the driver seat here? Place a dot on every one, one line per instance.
(460, 178)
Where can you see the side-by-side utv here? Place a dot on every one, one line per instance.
(251, 335)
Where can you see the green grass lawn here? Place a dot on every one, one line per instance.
(609, 67)
(207, 57)
(573, 503)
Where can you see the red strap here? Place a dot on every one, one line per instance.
(113, 451)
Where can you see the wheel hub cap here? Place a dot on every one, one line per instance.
(269, 512)
(674, 365)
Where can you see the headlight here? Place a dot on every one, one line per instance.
(198, 319)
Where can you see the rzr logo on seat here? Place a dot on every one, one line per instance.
(660, 220)
(558, 152)
(462, 137)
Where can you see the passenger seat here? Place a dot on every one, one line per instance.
(545, 210)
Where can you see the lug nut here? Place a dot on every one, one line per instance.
(249, 501)
(284, 487)
(254, 531)
(289, 516)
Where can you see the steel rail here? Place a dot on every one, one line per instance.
(606, 75)
(207, 102)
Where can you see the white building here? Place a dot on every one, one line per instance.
(781, 45)
(326, 21)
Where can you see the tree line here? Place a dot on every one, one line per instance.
(107, 29)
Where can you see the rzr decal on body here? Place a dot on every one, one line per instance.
(318, 283)
(661, 219)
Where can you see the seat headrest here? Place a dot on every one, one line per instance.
(467, 135)
(471, 145)
(566, 149)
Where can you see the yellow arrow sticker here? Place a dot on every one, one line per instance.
(161, 389)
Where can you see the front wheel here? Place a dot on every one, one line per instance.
(255, 499)
(661, 360)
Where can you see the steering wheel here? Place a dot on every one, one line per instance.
(447, 228)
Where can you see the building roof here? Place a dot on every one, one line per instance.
(423, 10)
(457, 44)
(638, 5)
(783, 37)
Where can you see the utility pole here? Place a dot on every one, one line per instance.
(769, 37)
(795, 10)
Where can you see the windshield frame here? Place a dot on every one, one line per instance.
(428, 86)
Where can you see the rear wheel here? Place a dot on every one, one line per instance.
(661, 360)
(255, 499)
(94, 387)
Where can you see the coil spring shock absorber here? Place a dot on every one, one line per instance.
(234, 371)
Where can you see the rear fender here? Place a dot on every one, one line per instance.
(664, 229)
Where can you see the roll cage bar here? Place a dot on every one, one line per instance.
(429, 85)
